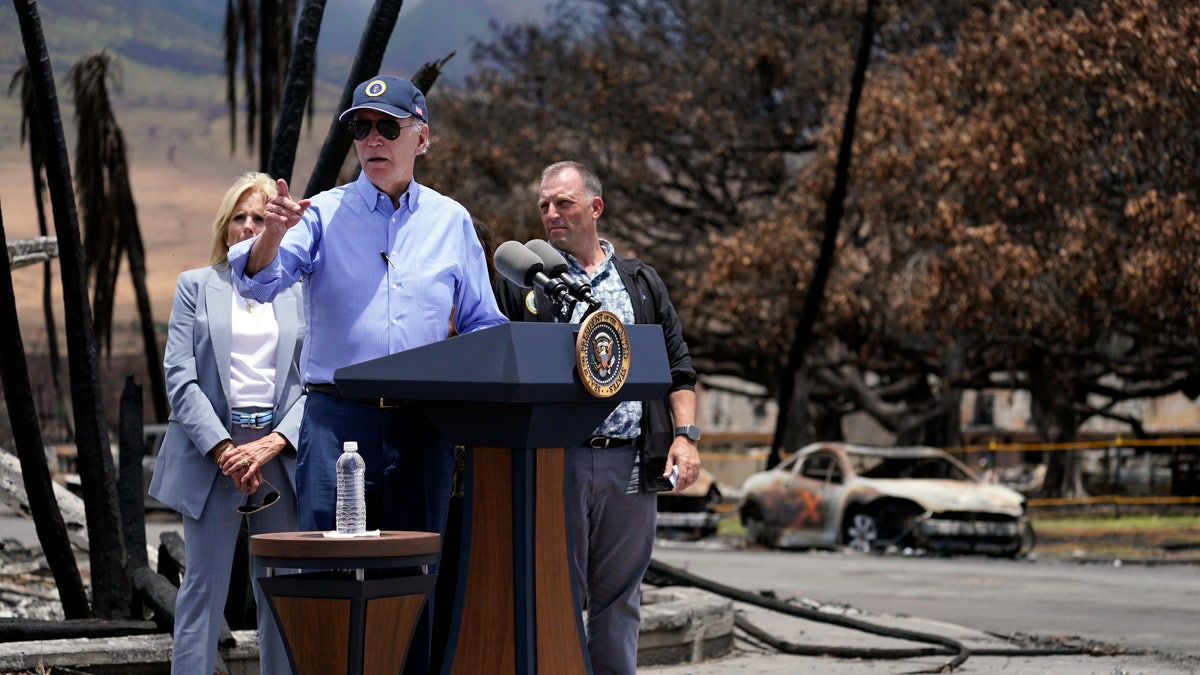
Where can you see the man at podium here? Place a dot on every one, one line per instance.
(384, 261)
(641, 448)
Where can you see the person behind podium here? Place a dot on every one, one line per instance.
(384, 261)
(613, 475)
(233, 379)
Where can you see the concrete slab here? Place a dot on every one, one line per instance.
(135, 655)
(683, 625)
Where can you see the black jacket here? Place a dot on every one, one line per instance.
(648, 294)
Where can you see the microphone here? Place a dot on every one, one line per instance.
(524, 268)
(555, 266)
(554, 262)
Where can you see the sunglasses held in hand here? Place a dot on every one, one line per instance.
(387, 127)
(271, 498)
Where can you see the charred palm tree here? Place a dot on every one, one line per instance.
(297, 91)
(37, 164)
(261, 33)
(108, 212)
(47, 519)
(111, 589)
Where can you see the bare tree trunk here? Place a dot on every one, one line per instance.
(268, 93)
(37, 160)
(945, 430)
(811, 311)
(130, 486)
(249, 29)
(941, 426)
(52, 330)
(137, 272)
(47, 519)
(297, 91)
(826, 426)
(371, 47)
(52, 354)
(110, 584)
(1057, 422)
(794, 424)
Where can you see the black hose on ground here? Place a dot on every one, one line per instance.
(662, 574)
(912, 652)
(839, 652)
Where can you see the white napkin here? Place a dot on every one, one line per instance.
(333, 534)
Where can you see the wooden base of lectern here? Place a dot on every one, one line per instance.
(515, 611)
(358, 614)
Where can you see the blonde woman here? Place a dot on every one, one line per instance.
(229, 451)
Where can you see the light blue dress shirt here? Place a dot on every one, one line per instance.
(376, 280)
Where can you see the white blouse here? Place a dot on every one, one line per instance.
(252, 361)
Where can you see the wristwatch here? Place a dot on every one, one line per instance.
(691, 431)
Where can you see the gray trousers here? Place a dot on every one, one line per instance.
(209, 543)
(611, 537)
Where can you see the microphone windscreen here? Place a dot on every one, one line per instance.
(553, 262)
(517, 263)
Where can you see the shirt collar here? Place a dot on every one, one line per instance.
(609, 252)
(373, 197)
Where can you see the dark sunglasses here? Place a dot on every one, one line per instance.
(388, 128)
(271, 498)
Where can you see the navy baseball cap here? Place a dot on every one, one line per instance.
(389, 94)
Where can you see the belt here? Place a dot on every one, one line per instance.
(606, 442)
(255, 420)
(332, 390)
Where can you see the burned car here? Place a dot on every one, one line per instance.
(868, 498)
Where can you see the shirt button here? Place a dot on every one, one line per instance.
(394, 322)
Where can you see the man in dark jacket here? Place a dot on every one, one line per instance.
(612, 477)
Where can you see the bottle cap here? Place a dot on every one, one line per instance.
(350, 446)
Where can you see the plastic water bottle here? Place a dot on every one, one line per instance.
(351, 494)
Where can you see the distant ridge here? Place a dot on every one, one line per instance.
(186, 35)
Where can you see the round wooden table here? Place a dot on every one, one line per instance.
(354, 602)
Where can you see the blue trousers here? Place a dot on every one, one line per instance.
(611, 532)
(209, 543)
(408, 479)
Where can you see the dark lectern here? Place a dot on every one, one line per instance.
(512, 394)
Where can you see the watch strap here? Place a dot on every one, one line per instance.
(691, 431)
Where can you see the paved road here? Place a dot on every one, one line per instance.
(1150, 614)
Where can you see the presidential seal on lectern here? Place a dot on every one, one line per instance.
(602, 354)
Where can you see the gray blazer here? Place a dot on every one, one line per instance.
(197, 371)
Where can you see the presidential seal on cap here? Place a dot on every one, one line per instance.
(375, 88)
(602, 354)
